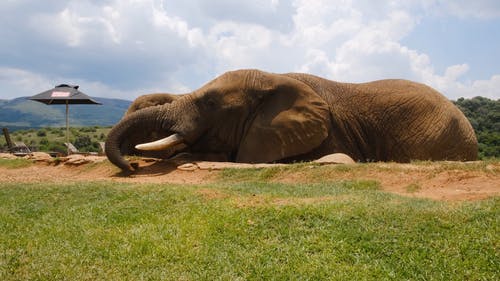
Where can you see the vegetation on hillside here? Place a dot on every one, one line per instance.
(85, 139)
(484, 115)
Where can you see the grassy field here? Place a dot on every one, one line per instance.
(242, 227)
(15, 163)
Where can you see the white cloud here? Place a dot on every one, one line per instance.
(455, 71)
(126, 48)
(19, 83)
(485, 88)
(373, 50)
(352, 47)
(193, 36)
(237, 45)
(79, 24)
(481, 9)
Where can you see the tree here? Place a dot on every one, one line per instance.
(484, 116)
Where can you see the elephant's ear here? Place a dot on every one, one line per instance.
(291, 120)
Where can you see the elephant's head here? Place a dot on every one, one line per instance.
(151, 100)
(127, 146)
(248, 115)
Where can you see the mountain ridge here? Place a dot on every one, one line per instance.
(24, 113)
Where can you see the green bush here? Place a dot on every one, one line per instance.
(82, 141)
(41, 133)
(88, 129)
(58, 147)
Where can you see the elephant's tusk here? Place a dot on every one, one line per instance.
(161, 144)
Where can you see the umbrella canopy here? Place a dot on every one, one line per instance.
(64, 94)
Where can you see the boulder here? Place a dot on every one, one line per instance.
(79, 159)
(335, 158)
(7, 156)
(40, 157)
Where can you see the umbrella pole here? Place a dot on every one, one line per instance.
(67, 128)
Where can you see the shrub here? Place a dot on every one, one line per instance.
(82, 141)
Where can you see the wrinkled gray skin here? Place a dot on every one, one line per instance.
(252, 116)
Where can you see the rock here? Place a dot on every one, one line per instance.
(206, 165)
(79, 159)
(335, 158)
(40, 157)
(7, 156)
(188, 167)
(95, 158)
(75, 159)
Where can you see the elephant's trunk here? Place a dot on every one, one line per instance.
(178, 119)
(142, 119)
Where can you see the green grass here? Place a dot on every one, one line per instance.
(312, 172)
(15, 163)
(346, 230)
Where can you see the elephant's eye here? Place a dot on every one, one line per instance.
(211, 103)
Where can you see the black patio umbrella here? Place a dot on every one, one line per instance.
(64, 94)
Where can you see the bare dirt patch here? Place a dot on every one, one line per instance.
(439, 180)
(211, 194)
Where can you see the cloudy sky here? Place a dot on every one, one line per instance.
(125, 48)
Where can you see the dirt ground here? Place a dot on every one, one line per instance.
(439, 181)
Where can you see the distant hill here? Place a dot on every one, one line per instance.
(24, 113)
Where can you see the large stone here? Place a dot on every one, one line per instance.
(79, 159)
(40, 157)
(7, 156)
(335, 158)
(207, 165)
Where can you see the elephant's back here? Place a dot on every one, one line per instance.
(419, 117)
(395, 120)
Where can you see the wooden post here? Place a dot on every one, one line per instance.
(7, 137)
(67, 125)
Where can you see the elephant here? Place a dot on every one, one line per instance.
(252, 116)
